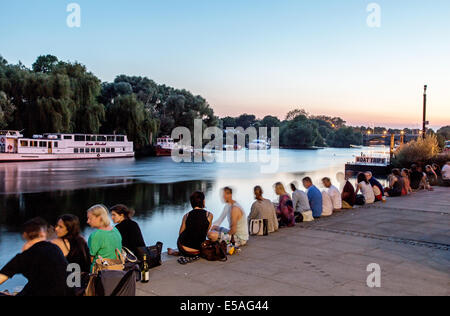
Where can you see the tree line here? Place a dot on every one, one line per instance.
(64, 97)
(301, 130)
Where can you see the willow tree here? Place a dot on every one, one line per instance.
(87, 112)
(127, 115)
(42, 101)
(6, 110)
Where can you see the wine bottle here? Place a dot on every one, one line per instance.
(145, 272)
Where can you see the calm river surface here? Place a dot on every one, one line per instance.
(157, 188)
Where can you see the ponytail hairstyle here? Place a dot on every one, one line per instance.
(102, 212)
(121, 209)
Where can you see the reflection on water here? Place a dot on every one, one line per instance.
(157, 188)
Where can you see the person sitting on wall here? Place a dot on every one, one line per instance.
(264, 209)
(376, 185)
(445, 171)
(302, 209)
(334, 194)
(194, 229)
(237, 220)
(314, 197)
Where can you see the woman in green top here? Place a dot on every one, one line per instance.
(105, 240)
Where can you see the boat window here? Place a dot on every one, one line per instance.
(24, 143)
(55, 144)
(67, 137)
(81, 150)
(123, 148)
(103, 150)
(97, 150)
(101, 138)
(113, 150)
(80, 138)
(34, 144)
(42, 144)
(120, 138)
(75, 150)
(92, 150)
(110, 138)
(108, 150)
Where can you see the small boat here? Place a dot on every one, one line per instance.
(14, 147)
(259, 144)
(164, 146)
(232, 148)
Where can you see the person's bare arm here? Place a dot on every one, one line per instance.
(3, 278)
(236, 215)
(357, 188)
(210, 219)
(183, 224)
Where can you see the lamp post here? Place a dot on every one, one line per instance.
(424, 128)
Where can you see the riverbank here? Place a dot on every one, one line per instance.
(408, 237)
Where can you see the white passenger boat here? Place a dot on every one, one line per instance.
(15, 147)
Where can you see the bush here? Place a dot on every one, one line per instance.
(420, 151)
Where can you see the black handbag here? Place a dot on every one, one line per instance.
(153, 254)
(360, 200)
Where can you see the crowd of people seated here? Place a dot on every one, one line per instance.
(46, 254)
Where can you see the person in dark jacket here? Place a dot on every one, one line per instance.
(41, 262)
(375, 183)
(131, 233)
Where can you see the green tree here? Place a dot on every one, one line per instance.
(299, 133)
(45, 63)
(343, 138)
(127, 115)
(6, 110)
(270, 122)
(295, 113)
(87, 112)
(228, 122)
(245, 121)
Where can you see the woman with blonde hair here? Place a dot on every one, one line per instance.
(285, 209)
(105, 240)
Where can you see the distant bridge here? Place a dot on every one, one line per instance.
(385, 139)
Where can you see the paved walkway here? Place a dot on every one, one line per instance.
(408, 237)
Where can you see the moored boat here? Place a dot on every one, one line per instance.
(378, 165)
(15, 147)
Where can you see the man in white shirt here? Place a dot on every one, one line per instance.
(446, 174)
(334, 194)
(327, 204)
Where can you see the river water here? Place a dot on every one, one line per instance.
(157, 188)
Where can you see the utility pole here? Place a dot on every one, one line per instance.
(425, 123)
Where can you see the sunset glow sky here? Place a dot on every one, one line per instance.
(256, 56)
